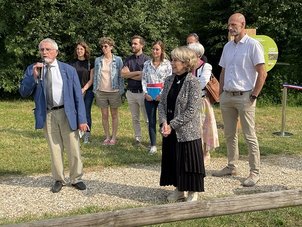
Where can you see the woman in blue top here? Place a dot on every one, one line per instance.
(108, 87)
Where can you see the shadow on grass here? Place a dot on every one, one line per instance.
(280, 155)
(95, 187)
(7, 173)
(24, 133)
(126, 191)
(28, 181)
(259, 189)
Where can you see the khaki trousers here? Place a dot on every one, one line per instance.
(234, 107)
(136, 104)
(59, 136)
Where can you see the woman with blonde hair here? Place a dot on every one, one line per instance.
(179, 116)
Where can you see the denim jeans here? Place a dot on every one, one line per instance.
(151, 109)
(88, 100)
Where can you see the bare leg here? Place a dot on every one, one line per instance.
(206, 155)
(114, 116)
(105, 122)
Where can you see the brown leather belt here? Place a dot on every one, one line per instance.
(236, 93)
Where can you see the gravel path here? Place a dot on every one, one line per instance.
(136, 185)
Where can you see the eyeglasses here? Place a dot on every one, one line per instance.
(46, 49)
(176, 60)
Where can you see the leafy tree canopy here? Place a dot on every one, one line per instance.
(24, 23)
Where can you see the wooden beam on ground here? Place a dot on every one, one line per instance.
(179, 211)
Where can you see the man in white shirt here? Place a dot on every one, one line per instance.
(241, 80)
(59, 110)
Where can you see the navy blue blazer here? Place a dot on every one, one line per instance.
(72, 95)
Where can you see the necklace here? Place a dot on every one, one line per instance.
(179, 80)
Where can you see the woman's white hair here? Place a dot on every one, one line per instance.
(197, 48)
(49, 40)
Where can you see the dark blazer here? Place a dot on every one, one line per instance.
(73, 100)
(186, 121)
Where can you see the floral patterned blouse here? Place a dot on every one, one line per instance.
(152, 75)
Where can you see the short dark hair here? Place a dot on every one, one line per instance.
(141, 39)
(194, 35)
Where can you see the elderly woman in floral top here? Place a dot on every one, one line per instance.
(154, 73)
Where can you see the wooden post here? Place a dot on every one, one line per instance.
(180, 211)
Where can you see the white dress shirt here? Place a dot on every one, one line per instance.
(57, 84)
(239, 61)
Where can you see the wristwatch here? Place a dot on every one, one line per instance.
(253, 97)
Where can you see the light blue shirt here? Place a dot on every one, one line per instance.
(117, 81)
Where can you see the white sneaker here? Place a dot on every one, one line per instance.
(175, 196)
(153, 150)
(192, 196)
(138, 139)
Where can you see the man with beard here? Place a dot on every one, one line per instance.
(241, 80)
(132, 71)
(59, 110)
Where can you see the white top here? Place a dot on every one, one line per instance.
(239, 61)
(152, 75)
(203, 73)
(57, 84)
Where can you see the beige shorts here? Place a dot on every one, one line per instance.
(108, 99)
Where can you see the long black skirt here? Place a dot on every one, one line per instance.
(182, 164)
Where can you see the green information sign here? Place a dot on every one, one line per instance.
(270, 50)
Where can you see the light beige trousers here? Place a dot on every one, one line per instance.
(59, 136)
(137, 105)
(232, 109)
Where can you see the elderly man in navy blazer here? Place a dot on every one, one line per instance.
(60, 111)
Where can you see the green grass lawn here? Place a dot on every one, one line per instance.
(24, 151)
